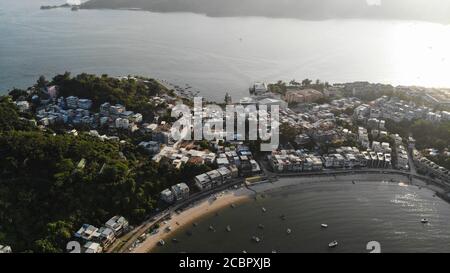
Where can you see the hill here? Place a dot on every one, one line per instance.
(425, 10)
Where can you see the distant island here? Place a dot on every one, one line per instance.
(430, 10)
(56, 6)
(66, 5)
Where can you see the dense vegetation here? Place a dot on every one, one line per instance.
(9, 117)
(426, 133)
(50, 183)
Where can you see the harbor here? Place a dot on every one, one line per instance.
(271, 224)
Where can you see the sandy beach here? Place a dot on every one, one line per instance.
(228, 197)
(193, 212)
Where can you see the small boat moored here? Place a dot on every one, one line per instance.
(256, 239)
(228, 228)
(288, 231)
(333, 244)
(424, 221)
(324, 225)
(161, 242)
(263, 209)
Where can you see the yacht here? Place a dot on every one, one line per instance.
(333, 244)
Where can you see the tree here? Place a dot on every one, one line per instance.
(61, 79)
(306, 82)
(288, 133)
(45, 246)
(41, 82)
(17, 94)
(294, 82)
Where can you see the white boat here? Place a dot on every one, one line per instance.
(424, 221)
(256, 239)
(263, 209)
(228, 228)
(333, 244)
(288, 231)
(324, 225)
(161, 242)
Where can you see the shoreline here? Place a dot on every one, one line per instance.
(193, 212)
(207, 206)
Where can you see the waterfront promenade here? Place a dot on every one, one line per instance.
(197, 204)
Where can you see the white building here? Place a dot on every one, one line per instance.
(122, 123)
(259, 88)
(87, 232)
(167, 196)
(91, 247)
(203, 182)
(72, 102)
(23, 106)
(85, 104)
(118, 224)
(180, 191)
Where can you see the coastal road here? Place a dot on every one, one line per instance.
(123, 244)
